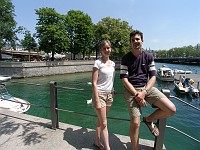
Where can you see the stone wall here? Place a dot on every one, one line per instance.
(30, 69)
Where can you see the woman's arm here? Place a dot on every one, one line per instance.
(95, 74)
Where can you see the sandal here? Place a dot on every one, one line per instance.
(152, 127)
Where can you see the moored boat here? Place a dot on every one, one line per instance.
(4, 78)
(165, 74)
(179, 86)
(7, 101)
(186, 89)
(176, 71)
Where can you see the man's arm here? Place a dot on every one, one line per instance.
(129, 86)
(132, 90)
(151, 83)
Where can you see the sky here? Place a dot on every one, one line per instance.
(165, 24)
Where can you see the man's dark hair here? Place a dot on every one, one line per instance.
(133, 33)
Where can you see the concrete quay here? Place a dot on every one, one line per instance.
(22, 132)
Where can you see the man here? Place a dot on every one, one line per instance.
(138, 74)
(183, 81)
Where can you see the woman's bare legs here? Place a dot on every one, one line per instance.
(101, 127)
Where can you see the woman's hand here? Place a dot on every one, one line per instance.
(97, 105)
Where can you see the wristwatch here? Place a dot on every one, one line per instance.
(147, 91)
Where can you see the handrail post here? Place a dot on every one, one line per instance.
(54, 104)
(159, 141)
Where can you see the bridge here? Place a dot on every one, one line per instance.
(179, 60)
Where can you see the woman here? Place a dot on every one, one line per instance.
(102, 85)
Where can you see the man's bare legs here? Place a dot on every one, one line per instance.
(134, 132)
(165, 109)
(101, 127)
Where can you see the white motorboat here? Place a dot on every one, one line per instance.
(7, 101)
(187, 89)
(165, 74)
(178, 85)
(4, 78)
(176, 71)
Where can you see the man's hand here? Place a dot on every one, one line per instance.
(139, 97)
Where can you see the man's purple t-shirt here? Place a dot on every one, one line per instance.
(137, 69)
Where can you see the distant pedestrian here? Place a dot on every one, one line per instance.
(183, 81)
(103, 92)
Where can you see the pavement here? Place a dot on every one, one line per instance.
(26, 132)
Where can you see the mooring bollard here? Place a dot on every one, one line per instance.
(159, 141)
(54, 105)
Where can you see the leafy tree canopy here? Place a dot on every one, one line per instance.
(29, 42)
(51, 31)
(7, 23)
(185, 51)
(80, 28)
(115, 30)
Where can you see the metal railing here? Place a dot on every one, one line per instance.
(159, 141)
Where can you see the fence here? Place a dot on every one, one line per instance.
(158, 144)
(159, 141)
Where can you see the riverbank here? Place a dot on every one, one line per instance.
(45, 68)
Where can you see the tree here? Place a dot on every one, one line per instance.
(115, 30)
(80, 29)
(29, 42)
(197, 47)
(51, 31)
(161, 53)
(7, 24)
(185, 51)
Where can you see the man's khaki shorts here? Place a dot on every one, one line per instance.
(134, 108)
(106, 98)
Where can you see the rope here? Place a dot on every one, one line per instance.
(185, 102)
(77, 89)
(28, 83)
(85, 114)
(183, 133)
(69, 88)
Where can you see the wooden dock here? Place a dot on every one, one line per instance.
(195, 77)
